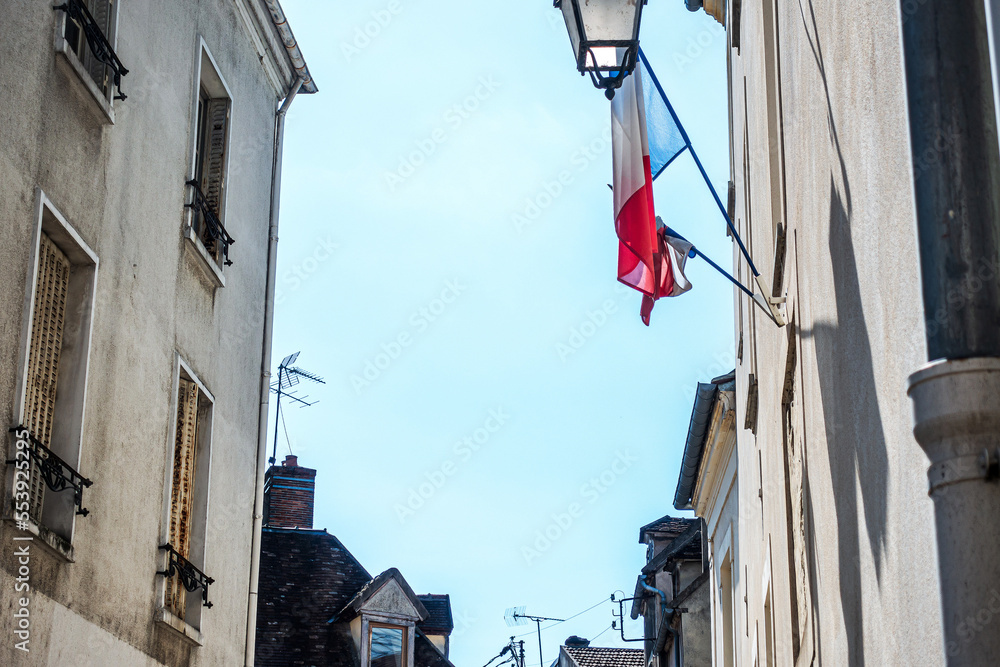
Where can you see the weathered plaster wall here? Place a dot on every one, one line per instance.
(867, 564)
(122, 187)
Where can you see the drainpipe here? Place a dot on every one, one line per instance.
(664, 610)
(956, 396)
(265, 372)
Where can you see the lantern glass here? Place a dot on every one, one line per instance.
(601, 25)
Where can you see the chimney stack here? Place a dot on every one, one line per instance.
(289, 493)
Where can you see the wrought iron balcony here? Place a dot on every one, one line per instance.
(213, 231)
(58, 475)
(191, 577)
(100, 47)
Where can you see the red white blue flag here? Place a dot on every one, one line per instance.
(635, 221)
(649, 261)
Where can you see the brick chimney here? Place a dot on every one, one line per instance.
(289, 493)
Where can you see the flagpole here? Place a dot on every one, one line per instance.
(701, 168)
(760, 298)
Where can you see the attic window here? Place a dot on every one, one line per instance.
(387, 645)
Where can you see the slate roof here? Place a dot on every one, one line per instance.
(439, 620)
(666, 527)
(606, 657)
(686, 546)
(306, 576)
(425, 654)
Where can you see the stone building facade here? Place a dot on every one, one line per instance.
(139, 210)
(830, 554)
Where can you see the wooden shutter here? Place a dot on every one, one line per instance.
(49, 319)
(214, 174)
(182, 488)
(102, 11)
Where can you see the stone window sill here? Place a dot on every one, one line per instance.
(51, 542)
(189, 633)
(209, 267)
(69, 58)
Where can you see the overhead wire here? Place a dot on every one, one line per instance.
(566, 619)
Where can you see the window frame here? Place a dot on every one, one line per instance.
(369, 621)
(57, 524)
(208, 79)
(192, 626)
(104, 99)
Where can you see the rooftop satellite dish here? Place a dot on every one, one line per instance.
(515, 616)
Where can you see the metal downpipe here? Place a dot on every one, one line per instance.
(956, 398)
(265, 373)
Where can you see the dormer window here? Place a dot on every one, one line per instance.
(387, 645)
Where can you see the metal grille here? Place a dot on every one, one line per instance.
(49, 318)
(182, 491)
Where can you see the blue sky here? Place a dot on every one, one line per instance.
(447, 262)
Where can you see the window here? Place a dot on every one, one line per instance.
(387, 645)
(86, 36)
(210, 157)
(768, 631)
(726, 609)
(775, 141)
(186, 585)
(54, 365)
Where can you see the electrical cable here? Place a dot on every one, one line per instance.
(284, 425)
(566, 619)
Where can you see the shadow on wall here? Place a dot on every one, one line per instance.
(855, 439)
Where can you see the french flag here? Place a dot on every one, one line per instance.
(635, 221)
(649, 259)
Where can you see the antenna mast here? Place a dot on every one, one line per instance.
(289, 376)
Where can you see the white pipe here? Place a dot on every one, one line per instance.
(265, 373)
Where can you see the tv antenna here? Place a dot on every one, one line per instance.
(288, 377)
(516, 616)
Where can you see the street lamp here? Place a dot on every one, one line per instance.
(605, 38)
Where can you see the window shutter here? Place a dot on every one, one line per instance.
(215, 158)
(182, 491)
(214, 177)
(102, 11)
(49, 317)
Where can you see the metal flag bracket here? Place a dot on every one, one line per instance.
(768, 304)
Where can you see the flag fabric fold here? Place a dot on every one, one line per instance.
(673, 252)
(633, 189)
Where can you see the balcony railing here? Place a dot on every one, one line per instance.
(214, 231)
(191, 577)
(99, 45)
(58, 475)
